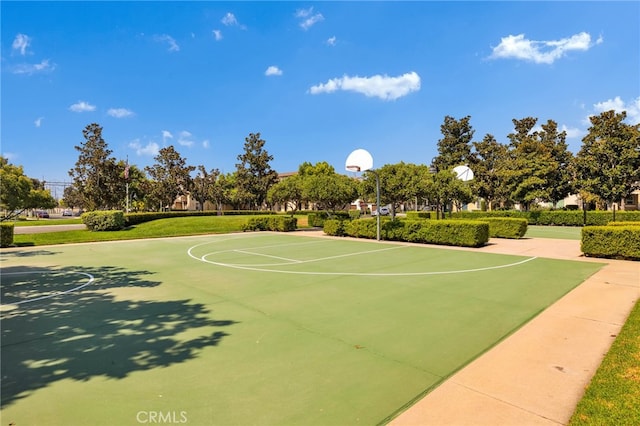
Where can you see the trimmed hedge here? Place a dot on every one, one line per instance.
(316, 219)
(623, 224)
(506, 227)
(137, 218)
(6, 234)
(421, 215)
(556, 217)
(445, 232)
(499, 227)
(334, 227)
(110, 220)
(618, 242)
(273, 223)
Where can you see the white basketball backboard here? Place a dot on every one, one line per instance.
(464, 173)
(359, 161)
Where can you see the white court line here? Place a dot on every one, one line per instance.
(367, 274)
(290, 261)
(268, 255)
(255, 268)
(49, 296)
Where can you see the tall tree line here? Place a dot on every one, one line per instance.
(534, 165)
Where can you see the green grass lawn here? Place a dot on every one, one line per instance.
(171, 227)
(253, 328)
(613, 396)
(556, 232)
(201, 225)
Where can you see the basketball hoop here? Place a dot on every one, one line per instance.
(359, 161)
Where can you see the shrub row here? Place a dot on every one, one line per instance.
(506, 227)
(109, 220)
(137, 218)
(618, 242)
(556, 217)
(446, 232)
(273, 223)
(421, 215)
(316, 219)
(499, 227)
(6, 234)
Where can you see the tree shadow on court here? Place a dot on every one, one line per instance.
(106, 328)
(25, 253)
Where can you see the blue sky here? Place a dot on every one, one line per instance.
(316, 79)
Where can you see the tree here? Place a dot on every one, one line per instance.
(489, 155)
(608, 164)
(71, 197)
(170, 177)
(322, 185)
(138, 187)
(231, 192)
(538, 164)
(254, 175)
(400, 184)
(19, 192)
(95, 175)
(331, 192)
(454, 149)
(217, 190)
(320, 168)
(447, 189)
(288, 192)
(205, 185)
(561, 175)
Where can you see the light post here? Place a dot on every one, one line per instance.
(361, 161)
(433, 169)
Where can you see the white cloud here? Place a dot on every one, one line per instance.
(273, 70)
(10, 156)
(308, 18)
(229, 19)
(217, 34)
(21, 43)
(151, 149)
(205, 143)
(331, 41)
(618, 105)
(381, 86)
(29, 69)
(82, 106)
(572, 132)
(173, 45)
(119, 112)
(38, 121)
(540, 52)
(166, 135)
(184, 138)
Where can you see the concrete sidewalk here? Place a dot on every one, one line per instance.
(538, 375)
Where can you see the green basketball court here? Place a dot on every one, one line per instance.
(255, 328)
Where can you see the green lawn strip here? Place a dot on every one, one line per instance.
(171, 227)
(613, 396)
(556, 232)
(162, 331)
